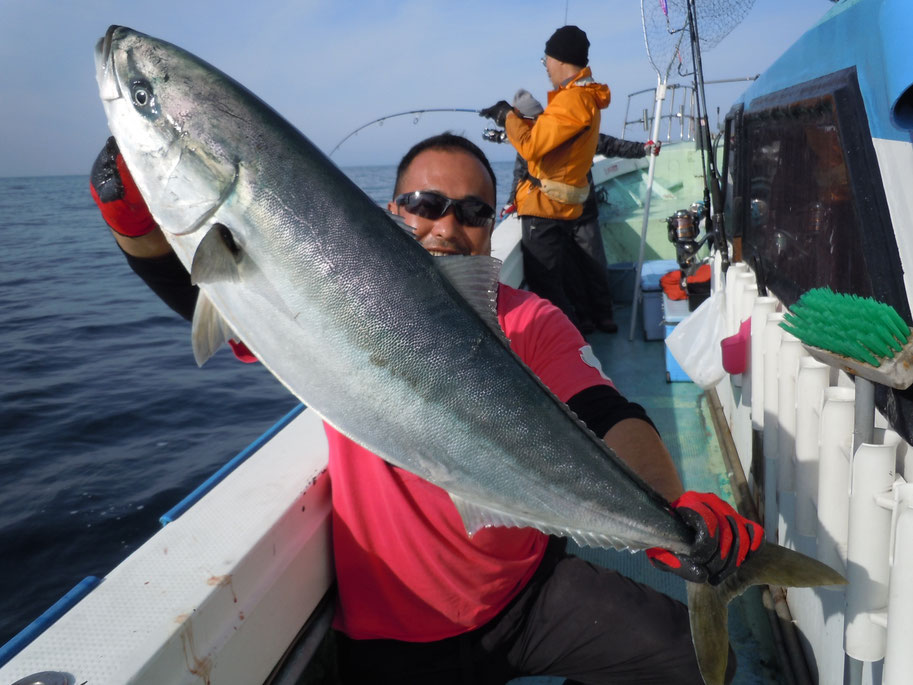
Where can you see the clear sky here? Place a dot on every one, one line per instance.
(329, 66)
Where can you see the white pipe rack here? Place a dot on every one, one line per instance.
(868, 548)
(835, 452)
(811, 382)
(851, 512)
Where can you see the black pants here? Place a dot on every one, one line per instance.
(574, 619)
(586, 274)
(564, 262)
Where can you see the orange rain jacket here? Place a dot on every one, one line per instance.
(559, 147)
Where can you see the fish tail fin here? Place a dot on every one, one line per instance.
(771, 564)
(709, 631)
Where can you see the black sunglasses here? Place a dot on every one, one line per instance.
(429, 204)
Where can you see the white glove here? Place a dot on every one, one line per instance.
(528, 106)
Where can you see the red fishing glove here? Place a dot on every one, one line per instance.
(242, 352)
(723, 540)
(652, 147)
(112, 187)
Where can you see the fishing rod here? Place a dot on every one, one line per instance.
(401, 114)
(714, 205)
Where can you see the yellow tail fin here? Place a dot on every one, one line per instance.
(707, 604)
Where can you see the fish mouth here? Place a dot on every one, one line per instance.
(105, 73)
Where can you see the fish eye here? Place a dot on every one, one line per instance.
(141, 92)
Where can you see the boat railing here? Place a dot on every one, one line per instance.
(678, 117)
(238, 586)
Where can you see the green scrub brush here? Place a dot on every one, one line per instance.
(857, 334)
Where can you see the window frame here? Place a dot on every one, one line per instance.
(873, 227)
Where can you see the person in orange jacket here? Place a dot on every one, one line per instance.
(558, 147)
(586, 279)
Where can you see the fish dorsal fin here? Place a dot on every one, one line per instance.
(217, 257)
(476, 517)
(476, 279)
(209, 329)
(401, 223)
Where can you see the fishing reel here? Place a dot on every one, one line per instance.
(494, 135)
(683, 229)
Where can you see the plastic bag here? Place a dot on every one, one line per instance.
(695, 342)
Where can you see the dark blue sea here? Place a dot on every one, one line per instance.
(106, 421)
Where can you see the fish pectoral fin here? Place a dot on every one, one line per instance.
(478, 516)
(476, 279)
(209, 330)
(770, 564)
(217, 257)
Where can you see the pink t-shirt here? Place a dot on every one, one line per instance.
(405, 567)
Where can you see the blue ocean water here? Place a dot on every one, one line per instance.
(105, 420)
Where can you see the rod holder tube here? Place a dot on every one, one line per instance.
(898, 662)
(770, 435)
(868, 549)
(891, 437)
(717, 277)
(746, 292)
(786, 509)
(733, 296)
(762, 309)
(811, 382)
(791, 351)
(835, 451)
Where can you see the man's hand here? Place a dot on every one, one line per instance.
(497, 112)
(528, 106)
(117, 196)
(652, 148)
(724, 540)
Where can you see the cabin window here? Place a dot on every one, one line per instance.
(807, 196)
(801, 220)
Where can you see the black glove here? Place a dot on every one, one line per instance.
(497, 112)
(724, 540)
(117, 196)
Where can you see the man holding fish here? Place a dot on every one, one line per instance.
(421, 600)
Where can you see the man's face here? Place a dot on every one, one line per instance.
(551, 68)
(458, 175)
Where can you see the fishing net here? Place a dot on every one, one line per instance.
(667, 35)
(666, 31)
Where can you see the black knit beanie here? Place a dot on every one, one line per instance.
(569, 44)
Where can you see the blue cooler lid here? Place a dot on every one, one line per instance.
(654, 270)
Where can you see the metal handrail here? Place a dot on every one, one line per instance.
(669, 104)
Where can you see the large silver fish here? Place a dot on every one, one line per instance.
(397, 349)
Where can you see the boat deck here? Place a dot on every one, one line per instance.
(682, 415)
